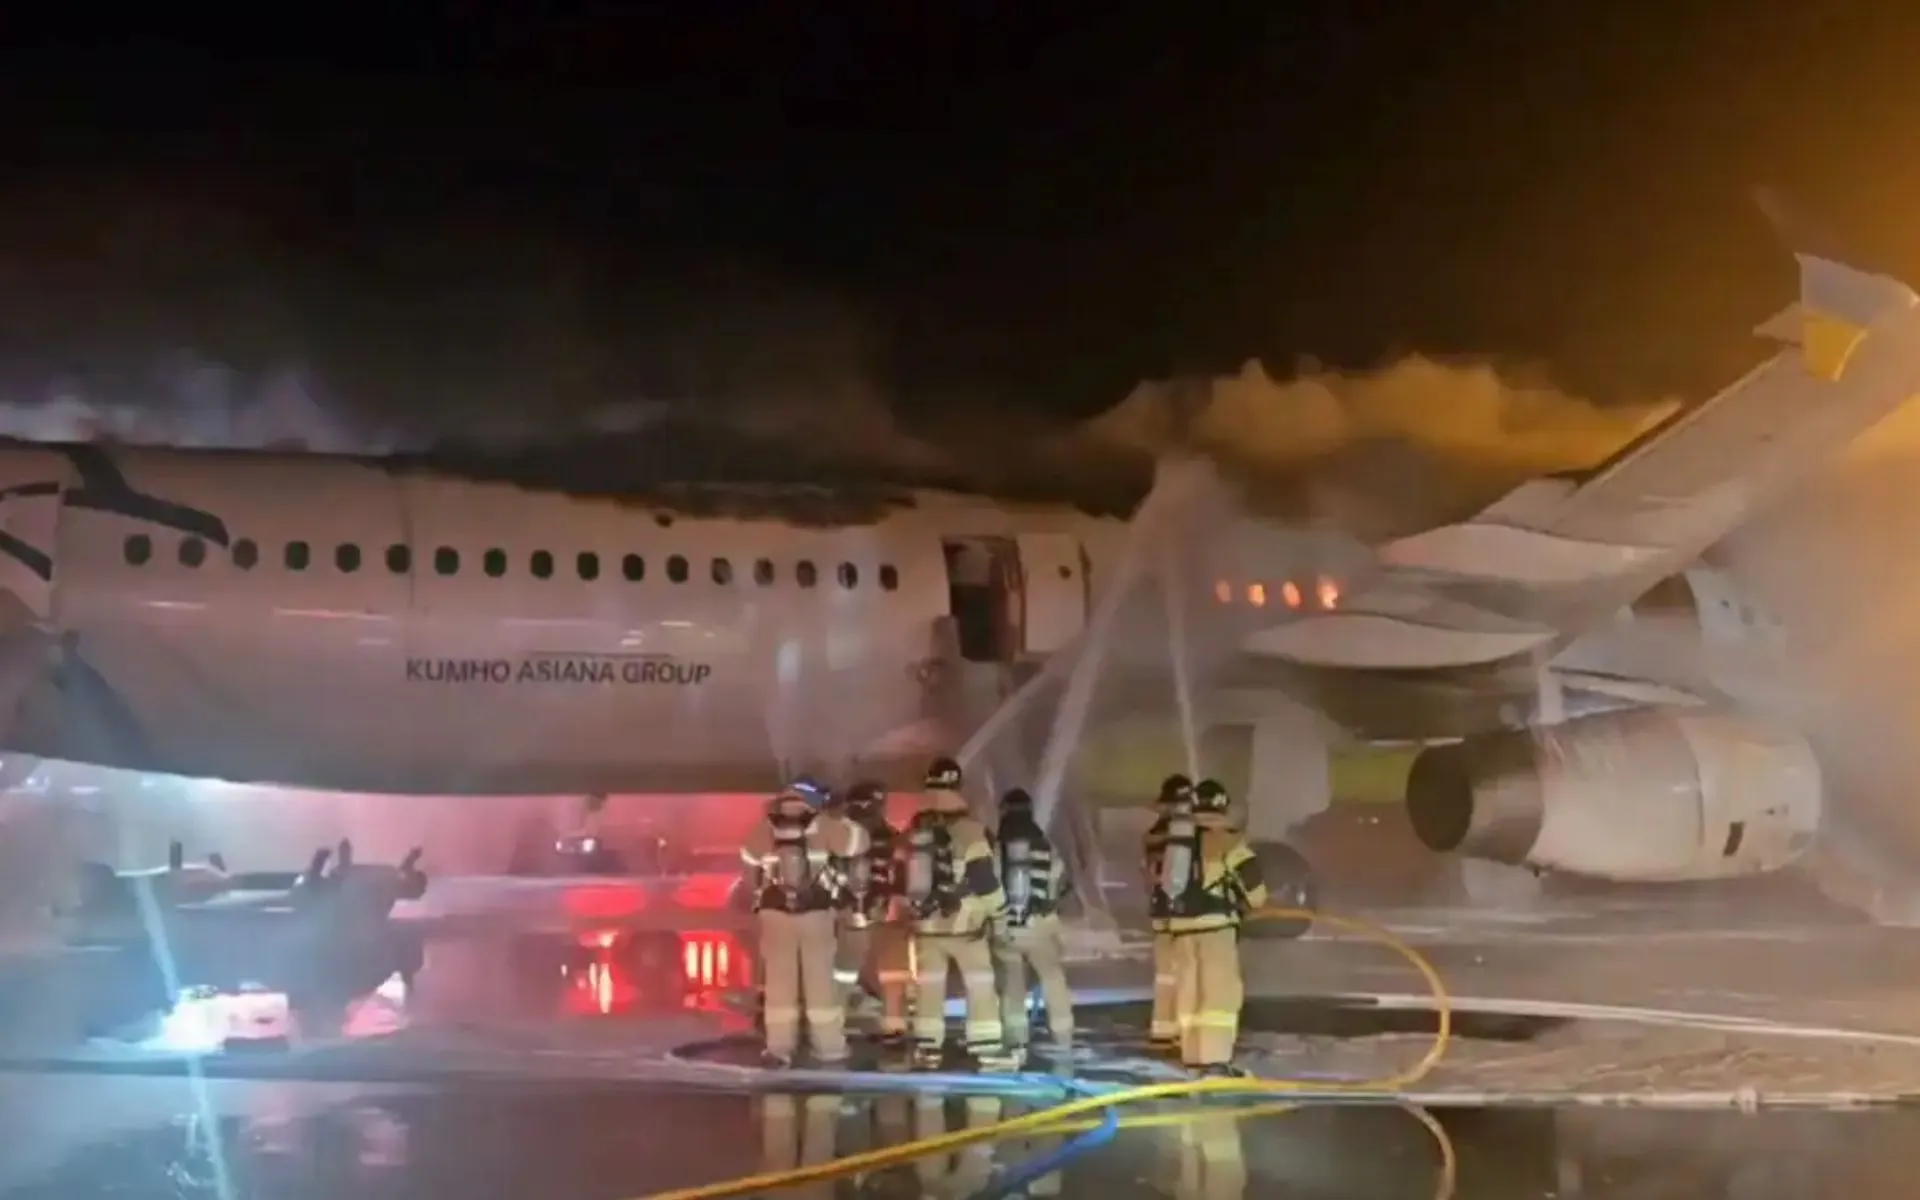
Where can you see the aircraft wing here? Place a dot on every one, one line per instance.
(1560, 553)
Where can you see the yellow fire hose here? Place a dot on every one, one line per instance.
(1073, 1114)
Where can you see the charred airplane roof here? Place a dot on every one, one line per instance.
(698, 471)
(714, 473)
(707, 472)
(1377, 488)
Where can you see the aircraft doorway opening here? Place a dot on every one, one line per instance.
(983, 594)
(1016, 598)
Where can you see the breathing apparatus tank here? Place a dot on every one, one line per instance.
(1017, 851)
(921, 850)
(865, 804)
(792, 819)
(1019, 873)
(930, 872)
(859, 871)
(790, 850)
(1177, 857)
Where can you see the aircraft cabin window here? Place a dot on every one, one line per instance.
(805, 574)
(137, 549)
(722, 572)
(763, 572)
(246, 555)
(446, 561)
(346, 557)
(193, 552)
(587, 564)
(890, 577)
(849, 575)
(634, 568)
(399, 559)
(540, 562)
(494, 563)
(676, 569)
(298, 556)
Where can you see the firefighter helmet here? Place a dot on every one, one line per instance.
(944, 774)
(1210, 796)
(811, 790)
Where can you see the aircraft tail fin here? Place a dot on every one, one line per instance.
(1839, 304)
(1557, 555)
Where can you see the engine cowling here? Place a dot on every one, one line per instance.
(1645, 795)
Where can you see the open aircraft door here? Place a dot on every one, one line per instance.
(1053, 592)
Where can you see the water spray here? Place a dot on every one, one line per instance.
(1056, 668)
(1071, 719)
(1182, 668)
(1176, 483)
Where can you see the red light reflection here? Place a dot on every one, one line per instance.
(605, 901)
(617, 974)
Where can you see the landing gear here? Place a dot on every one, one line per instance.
(1498, 887)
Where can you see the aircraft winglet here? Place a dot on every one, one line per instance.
(1839, 304)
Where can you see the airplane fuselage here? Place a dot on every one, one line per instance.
(333, 623)
(339, 623)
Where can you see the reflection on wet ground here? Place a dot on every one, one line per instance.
(595, 972)
(587, 1144)
(68, 1136)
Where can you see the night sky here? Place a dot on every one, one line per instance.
(433, 213)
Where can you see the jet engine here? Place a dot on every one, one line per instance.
(1644, 795)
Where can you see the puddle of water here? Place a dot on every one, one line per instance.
(586, 1144)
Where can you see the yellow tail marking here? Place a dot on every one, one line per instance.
(1827, 344)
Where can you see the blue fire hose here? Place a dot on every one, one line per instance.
(1042, 1165)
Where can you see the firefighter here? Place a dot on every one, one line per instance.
(1176, 797)
(872, 940)
(796, 887)
(1035, 882)
(1212, 882)
(951, 889)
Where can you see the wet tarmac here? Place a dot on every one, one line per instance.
(282, 1142)
(74, 1122)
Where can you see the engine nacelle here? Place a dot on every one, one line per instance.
(1645, 795)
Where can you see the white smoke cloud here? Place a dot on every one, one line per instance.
(1836, 564)
(1379, 452)
(199, 403)
(1468, 412)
